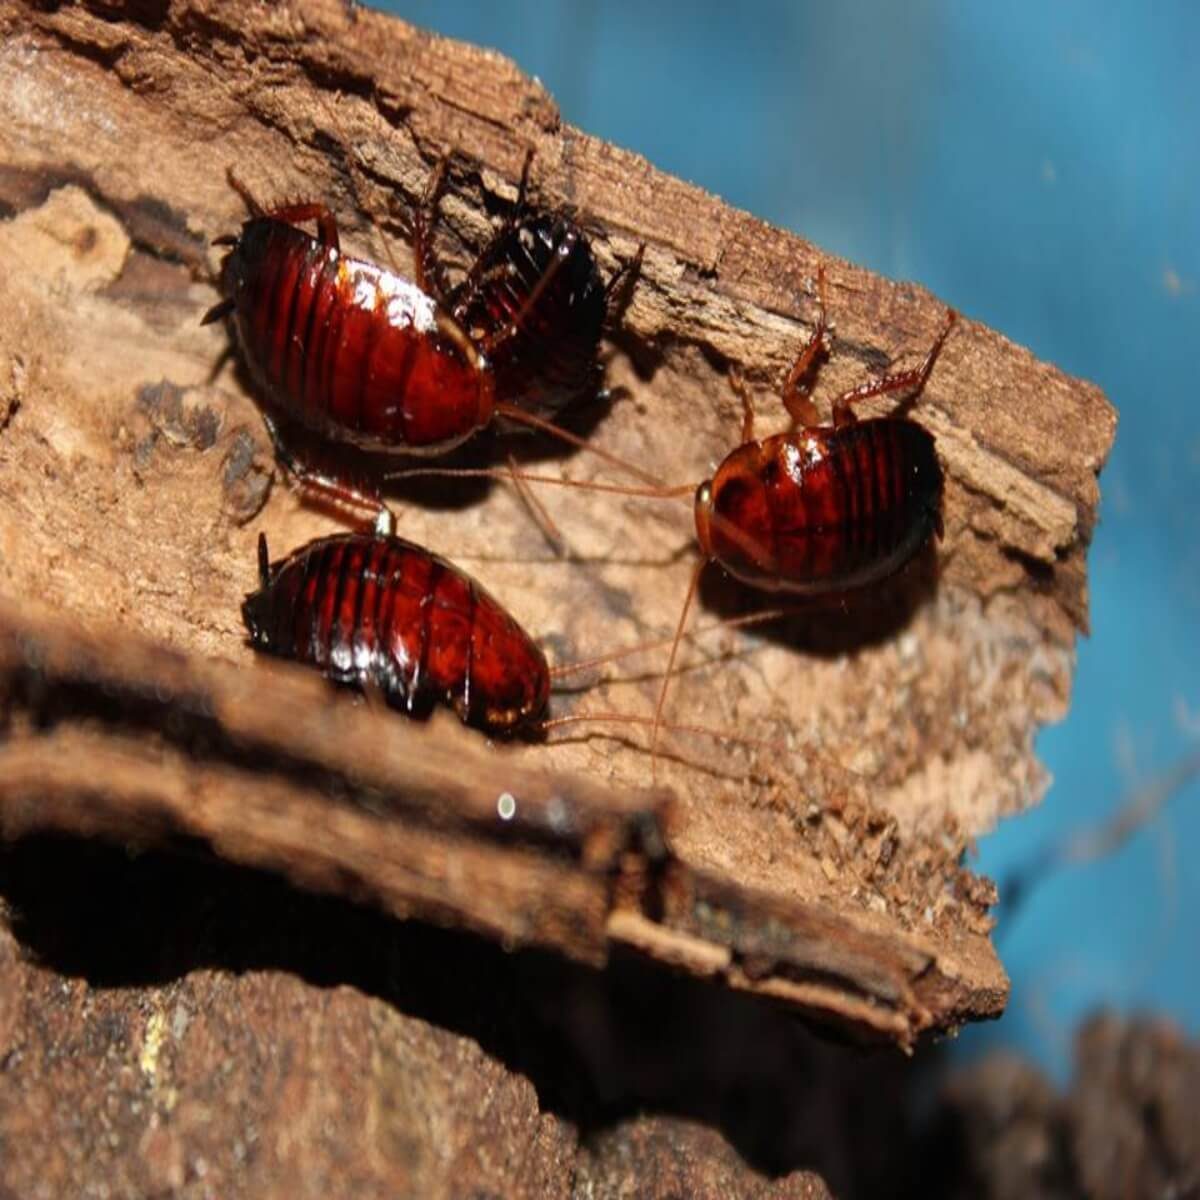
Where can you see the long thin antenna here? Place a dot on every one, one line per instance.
(613, 718)
(662, 693)
(674, 492)
(512, 413)
(746, 619)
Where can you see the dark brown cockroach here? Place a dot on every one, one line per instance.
(534, 297)
(820, 509)
(356, 354)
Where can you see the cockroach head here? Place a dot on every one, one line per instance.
(256, 613)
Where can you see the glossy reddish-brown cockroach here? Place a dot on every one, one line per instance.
(820, 509)
(356, 354)
(374, 611)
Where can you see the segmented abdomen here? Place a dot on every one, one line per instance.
(383, 612)
(553, 357)
(827, 508)
(349, 350)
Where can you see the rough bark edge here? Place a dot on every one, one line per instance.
(111, 736)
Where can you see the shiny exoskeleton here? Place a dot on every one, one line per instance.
(386, 615)
(822, 508)
(825, 508)
(356, 354)
(347, 349)
(536, 301)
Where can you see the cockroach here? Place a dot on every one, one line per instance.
(356, 354)
(820, 509)
(536, 298)
(373, 611)
(378, 612)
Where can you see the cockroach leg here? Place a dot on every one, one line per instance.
(427, 267)
(619, 289)
(248, 198)
(218, 312)
(297, 214)
(522, 188)
(797, 388)
(900, 381)
(291, 214)
(264, 561)
(327, 487)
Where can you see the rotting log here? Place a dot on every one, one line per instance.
(135, 475)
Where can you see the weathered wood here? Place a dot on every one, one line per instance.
(134, 477)
(110, 736)
(116, 130)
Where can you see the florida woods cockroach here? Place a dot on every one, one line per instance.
(387, 615)
(356, 354)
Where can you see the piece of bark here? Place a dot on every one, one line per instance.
(1125, 1126)
(913, 731)
(133, 484)
(108, 735)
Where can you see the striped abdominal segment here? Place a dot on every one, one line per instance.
(379, 612)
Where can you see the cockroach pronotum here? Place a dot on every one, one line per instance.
(820, 509)
(356, 354)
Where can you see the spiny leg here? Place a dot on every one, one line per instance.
(291, 214)
(518, 209)
(619, 289)
(901, 381)
(797, 388)
(479, 274)
(742, 392)
(329, 488)
(430, 277)
(297, 214)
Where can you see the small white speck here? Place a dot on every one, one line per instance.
(506, 806)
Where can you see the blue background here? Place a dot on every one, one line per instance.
(1036, 166)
